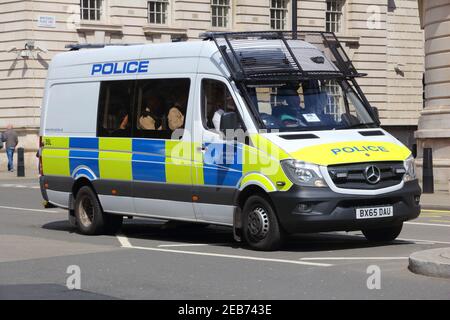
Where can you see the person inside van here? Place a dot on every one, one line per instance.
(289, 109)
(177, 111)
(217, 117)
(149, 119)
(124, 123)
(175, 117)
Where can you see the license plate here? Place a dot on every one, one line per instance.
(374, 212)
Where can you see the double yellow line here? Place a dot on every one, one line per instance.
(435, 211)
(445, 214)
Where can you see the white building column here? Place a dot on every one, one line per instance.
(434, 122)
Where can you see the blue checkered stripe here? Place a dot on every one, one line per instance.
(222, 162)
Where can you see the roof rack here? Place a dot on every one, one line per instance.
(271, 55)
(78, 46)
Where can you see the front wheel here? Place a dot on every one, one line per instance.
(386, 234)
(261, 229)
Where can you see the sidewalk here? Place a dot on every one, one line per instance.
(29, 174)
(433, 262)
(435, 201)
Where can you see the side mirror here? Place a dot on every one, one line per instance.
(228, 121)
(376, 113)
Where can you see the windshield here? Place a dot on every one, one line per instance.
(309, 105)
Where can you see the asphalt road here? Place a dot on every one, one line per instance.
(149, 261)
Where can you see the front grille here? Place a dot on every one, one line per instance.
(353, 176)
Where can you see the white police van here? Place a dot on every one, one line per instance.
(266, 132)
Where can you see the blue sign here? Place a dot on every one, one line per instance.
(127, 67)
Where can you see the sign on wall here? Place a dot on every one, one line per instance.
(46, 21)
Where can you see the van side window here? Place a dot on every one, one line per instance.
(161, 107)
(216, 99)
(114, 109)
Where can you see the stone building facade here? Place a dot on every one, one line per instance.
(434, 122)
(382, 37)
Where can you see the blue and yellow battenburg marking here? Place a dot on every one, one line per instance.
(142, 160)
(178, 162)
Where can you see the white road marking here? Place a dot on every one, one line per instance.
(126, 244)
(424, 241)
(355, 258)
(191, 245)
(20, 186)
(28, 209)
(428, 224)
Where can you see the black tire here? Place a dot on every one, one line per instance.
(386, 234)
(261, 229)
(89, 215)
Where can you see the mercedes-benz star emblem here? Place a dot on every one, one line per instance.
(373, 174)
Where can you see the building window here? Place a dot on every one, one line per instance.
(91, 9)
(157, 11)
(278, 13)
(220, 10)
(334, 15)
(335, 104)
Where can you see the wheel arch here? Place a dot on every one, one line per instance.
(250, 190)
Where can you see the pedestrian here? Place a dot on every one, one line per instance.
(11, 140)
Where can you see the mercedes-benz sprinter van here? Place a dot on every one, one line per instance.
(266, 132)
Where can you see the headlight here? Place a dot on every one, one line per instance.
(410, 173)
(303, 174)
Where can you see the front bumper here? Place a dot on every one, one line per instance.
(325, 210)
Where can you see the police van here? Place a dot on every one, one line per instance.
(265, 132)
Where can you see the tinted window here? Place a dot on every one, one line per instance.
(114, 111)
(161, 107)
(216, 99)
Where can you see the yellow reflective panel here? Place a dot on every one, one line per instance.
(115, 144)
(115, 165)
(56, 142)
(260, 180)
(178, 162)
(197, 164)
(264, 159)
(56, 162)
(352, 152)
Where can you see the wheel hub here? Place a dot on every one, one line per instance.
(258, 222)
(86, 210)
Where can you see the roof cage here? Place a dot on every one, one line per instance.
(272, 55)
(78, 46)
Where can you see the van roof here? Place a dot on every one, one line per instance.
(118, 52)
(247, 56)
(128, 52)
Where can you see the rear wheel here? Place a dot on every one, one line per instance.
(387, 234)
(261, 229)
(89, 215)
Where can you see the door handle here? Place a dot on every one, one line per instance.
(202, 149)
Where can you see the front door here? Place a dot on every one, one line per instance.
(218, 167)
